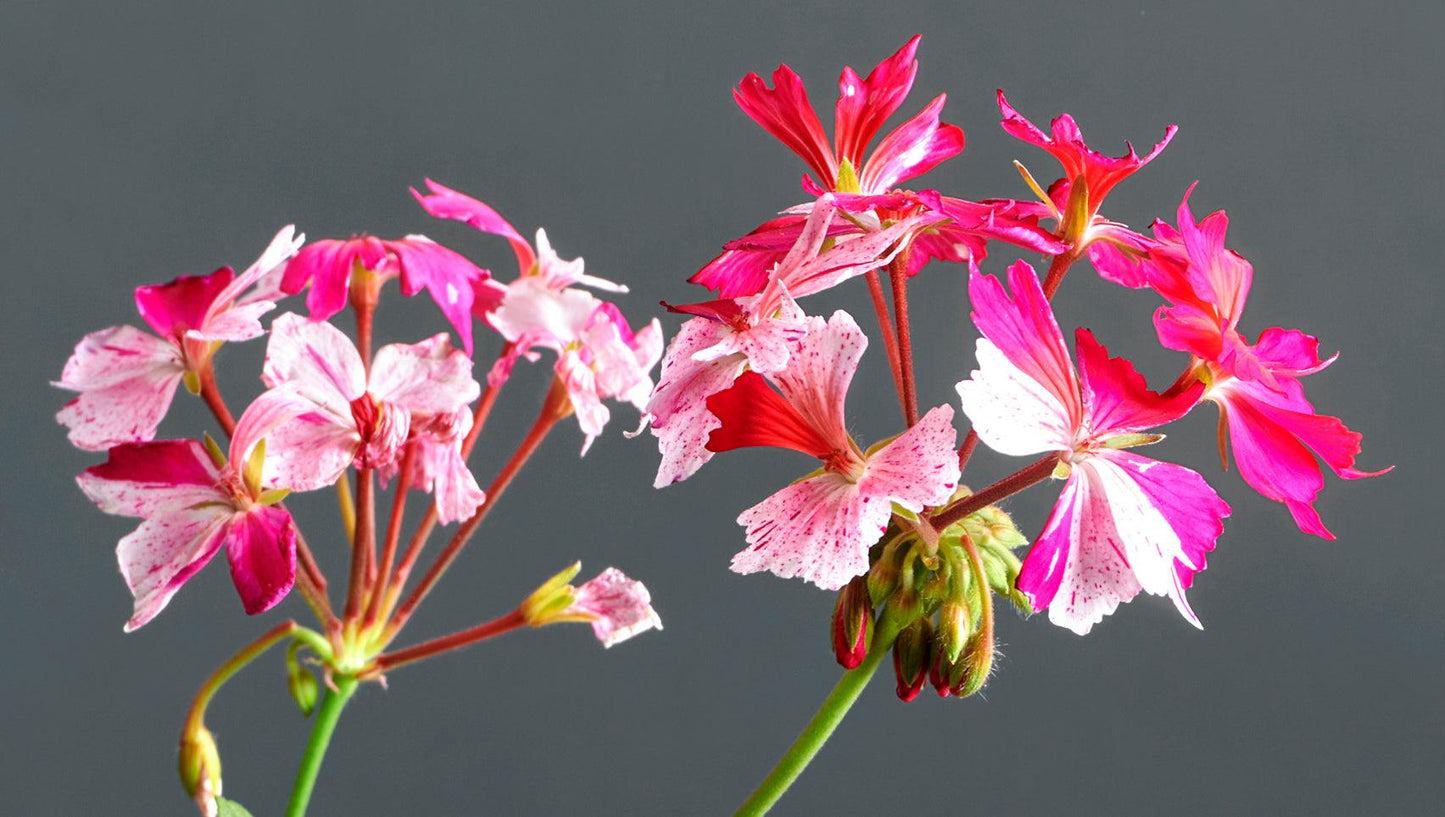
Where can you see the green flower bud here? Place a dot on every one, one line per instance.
(912, 652)
(301, 682)
(852, 623)
(200, 768)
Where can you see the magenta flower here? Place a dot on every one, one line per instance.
(192, 505)
(419, 262)
(618, 607)
(338, 415)
(911, 150)
(1123, 523)
(127, 378)
(820, 529)
(1274, 431)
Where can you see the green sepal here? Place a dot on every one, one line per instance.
(192, 382)
(218, 457)
(230, 808)
(1076, 211)
(271, 496)
(301, 682)
(251, 476)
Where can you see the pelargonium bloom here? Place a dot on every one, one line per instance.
(439, 468)
(1075, 199)
(618, 607)
(821, 528)
(127, 378)
(1275, 432)
(1123, 523)
(420, 263)
(338, 414)
(192, 504)
(911, 150)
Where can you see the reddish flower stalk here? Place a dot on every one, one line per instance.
(362, 543)
(428, 521)
(1057, 269)
(393, 534)
(965, 451)
(211, 393)
(890, 339)
(447, 643)
(1006, 487)
(898, 273)
(554, 408)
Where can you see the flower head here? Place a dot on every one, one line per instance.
(820, 528)
(192, 503)
(126, 378)
(1123, 523)
(911, 150)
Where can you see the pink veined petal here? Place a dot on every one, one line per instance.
(442, 472)
(581, 384)
(444, 202)
(1077, 568)
(126, 379)
(918, 468)
(265, 274)
(145, 479)
(820, 371)
(1167, 519)
(558, 272)
(445, 275)
(854, 256)
(431, 377)
(785, 112)
(766, 337)
(864, 105)
(164, 552)
(677, 409)
(261, 547)
(1116, 398)
(1221, 277)
(1188, 329)
(818, 529)
(317, 359)
(1289, 352)
(171, 309)
(914, 148)
(1013, 413)
(1119, 254)
(1023, 328)
(235, 324)
(620, 607)
(306, 448)
(487, 296)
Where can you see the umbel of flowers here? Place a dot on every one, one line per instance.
(915, 557)
(338, 414)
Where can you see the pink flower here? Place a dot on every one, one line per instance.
(618, 607)
(911, 150)
(1124, 523)
(1080, 162)
(821, 528)
(331, 414)
(192, 505)
(328, 266)
(1275, 433)
(126, 377)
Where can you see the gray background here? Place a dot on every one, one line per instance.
(140, 144)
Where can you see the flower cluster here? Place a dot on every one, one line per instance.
(336, 413)
(915, 556)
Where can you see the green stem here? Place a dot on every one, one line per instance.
(819, 729)
(326, 718)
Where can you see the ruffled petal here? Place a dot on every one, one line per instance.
(914, 148)
(819, 530)
(618, 606)
(126, 379)
(444, 202)
(317, 360)
(919, 468)
(431, 377)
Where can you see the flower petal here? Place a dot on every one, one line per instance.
(431, 377)
(619, 607)
(919, 467)
(164, 552)
(818, 529)
(144, 479)
(126, 379)
(316, 359)
(444, 202)
(261, 547)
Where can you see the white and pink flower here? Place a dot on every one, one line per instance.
(821, 528)
(126, 377)
(1124, 523)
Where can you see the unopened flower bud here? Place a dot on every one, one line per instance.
(852, 623)
(955, 626)
(302, 683)
(200, 768)
(976, 664)
(883, 575)
(912, 652)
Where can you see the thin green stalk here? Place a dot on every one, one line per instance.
(817, 732)
(326, 717)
